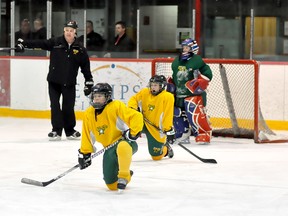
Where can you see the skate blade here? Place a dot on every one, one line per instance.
(120, 191)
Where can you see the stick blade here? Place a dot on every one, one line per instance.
(204, 160)
(32, 182)
(209, 161)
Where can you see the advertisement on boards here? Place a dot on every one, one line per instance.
(126, 79)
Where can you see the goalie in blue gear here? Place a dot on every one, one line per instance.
(190, 78)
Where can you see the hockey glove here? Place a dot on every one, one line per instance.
(198, 85)
(170, 136)
(84, 160)
(88, 86)
(170, 86)
(128, 136)
(19, 46)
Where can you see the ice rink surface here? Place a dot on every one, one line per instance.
(249, 179)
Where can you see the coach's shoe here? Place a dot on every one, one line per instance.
(74, 136)
(170, 152)
(53, 136)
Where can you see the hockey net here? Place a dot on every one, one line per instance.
(232, 99)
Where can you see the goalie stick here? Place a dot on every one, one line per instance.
(44, 184)
(201, 159)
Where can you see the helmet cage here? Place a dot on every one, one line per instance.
(159, 79)
(194, 48)
(101, 88)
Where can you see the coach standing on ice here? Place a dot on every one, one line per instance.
(66, 56)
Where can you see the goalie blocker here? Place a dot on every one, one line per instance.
(198, 85)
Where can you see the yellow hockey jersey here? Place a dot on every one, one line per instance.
(157, 109)
(108, 126)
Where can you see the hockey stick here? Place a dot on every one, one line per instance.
(6, 48)
(11, 48)
(201, 159)
(44, 184)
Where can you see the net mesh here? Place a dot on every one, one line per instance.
(232, 98)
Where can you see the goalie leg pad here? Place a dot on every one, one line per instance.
(177, 111)
(180, 122)
(198, 118)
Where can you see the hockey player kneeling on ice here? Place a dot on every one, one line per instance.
(156, 105)
(190, 78)
(109, 121)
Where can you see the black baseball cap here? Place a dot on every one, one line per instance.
(72, 24)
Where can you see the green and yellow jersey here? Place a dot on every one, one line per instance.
(108, 126)
(157, 109)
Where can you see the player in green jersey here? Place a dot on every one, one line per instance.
(190, 78)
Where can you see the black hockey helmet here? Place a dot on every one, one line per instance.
(161, 80)
(101, 88)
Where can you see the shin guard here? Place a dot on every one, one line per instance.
(124, 153)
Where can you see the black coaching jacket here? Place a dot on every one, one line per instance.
(123, 44)
(64, 60)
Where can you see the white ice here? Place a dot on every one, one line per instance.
(249, 180)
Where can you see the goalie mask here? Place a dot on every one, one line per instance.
(189, 48)
(160, 80)
(101, 95)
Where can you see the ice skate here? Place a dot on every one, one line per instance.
(75, 136)
(170, 152)
(122, 183)
(53, 136)
(185, 141)
(202, 143)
